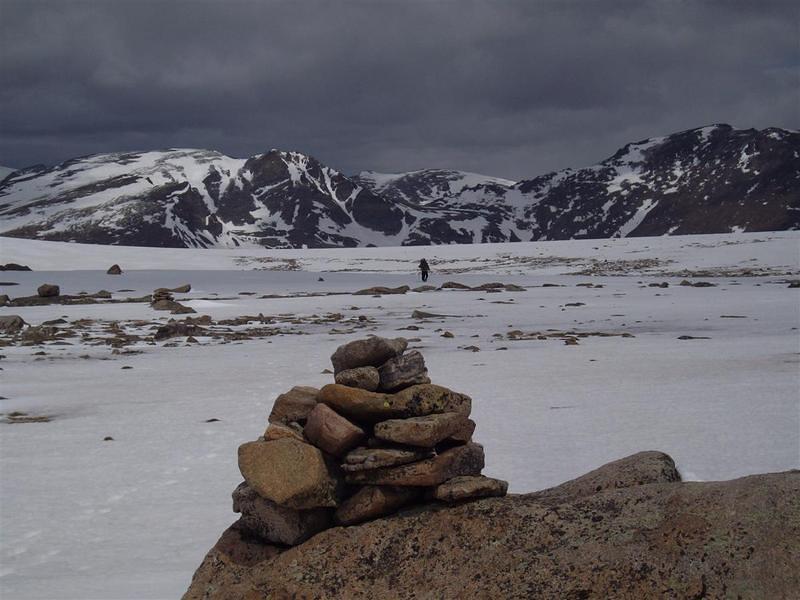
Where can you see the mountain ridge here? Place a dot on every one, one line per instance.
(711, 179)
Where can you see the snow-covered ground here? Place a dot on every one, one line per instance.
(132, 518)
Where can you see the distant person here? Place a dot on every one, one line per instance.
(424, 269)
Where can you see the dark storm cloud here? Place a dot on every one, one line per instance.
(505, 88)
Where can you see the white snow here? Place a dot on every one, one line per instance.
(132, 518)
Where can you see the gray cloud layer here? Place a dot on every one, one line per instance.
(505, 88)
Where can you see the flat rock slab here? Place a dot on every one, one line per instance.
(277, 524)
(294, 405)
(331, 432)
(415, 401)
(403, 371)
(424, 431)
(380, 290)
(470, 487)
(371, 502)
(461, 460)
(290, 473)
(365, 378)
(369, 352)
(363, 459)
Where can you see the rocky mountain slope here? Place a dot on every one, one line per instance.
(5, 172)
(630, 529)
(708, 180)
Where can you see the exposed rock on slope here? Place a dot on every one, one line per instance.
(630, 529)
(713, 179)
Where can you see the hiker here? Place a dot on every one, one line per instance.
(424, 269)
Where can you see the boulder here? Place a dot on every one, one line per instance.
(469, 487)
(454, 285)
(369, 352)
(114, 270)
(331, 432)
(373, 501)
(415, 401)
(276, 431)
(721, 539)
(461, 460)
(11, 323)
(380, 290)
(4, 299)
(639, 469)
(424, 431)
(362, 459)
(294, 405)
(403, 371)
(365, 378)
(277, 524)
(48, 290)
(290, 473)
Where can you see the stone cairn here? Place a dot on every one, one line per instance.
(379, 439)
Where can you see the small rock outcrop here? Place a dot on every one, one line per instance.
(162, 299)
(114, 270)
(630, 529)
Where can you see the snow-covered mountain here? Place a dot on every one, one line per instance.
(5, 172)
(707, 180)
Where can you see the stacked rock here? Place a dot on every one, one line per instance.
(162, 299)
(379, 439)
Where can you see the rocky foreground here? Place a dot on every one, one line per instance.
(630, 529)
(371, 487)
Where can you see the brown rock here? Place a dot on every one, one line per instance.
(416, 401)
(177, 329)
(331, 432)
(11, 323)
(114, 270)
(668, 539)
(470, 487)
(182, 289)
(373, 501)
(403, 371)
(48, 290)
(380, 290)
(454, 285)
(276, 431)
(461, 460)
(362, 459)
(424, 431)
(639, 469)
(290, 473)
(277, 524)
(4, 299)
(365, 378)
(294, 405)
(369, 352)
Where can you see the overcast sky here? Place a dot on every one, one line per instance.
(505, 88)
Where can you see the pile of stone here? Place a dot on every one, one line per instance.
(381, 438)
(162, 299)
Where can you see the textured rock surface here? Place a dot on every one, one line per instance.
(373, 501)
(114, 270)
(291, 473)
(276, 431)
(461, 460)
(294, 405)
(362, 459)
(365, 378)
(424, 431)
(416, 401)
(470, 486)
(11, 323)
(48, 290)
(403, 371)
(369, 352)
(737, 538)
(277, 524)
(331, 432)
